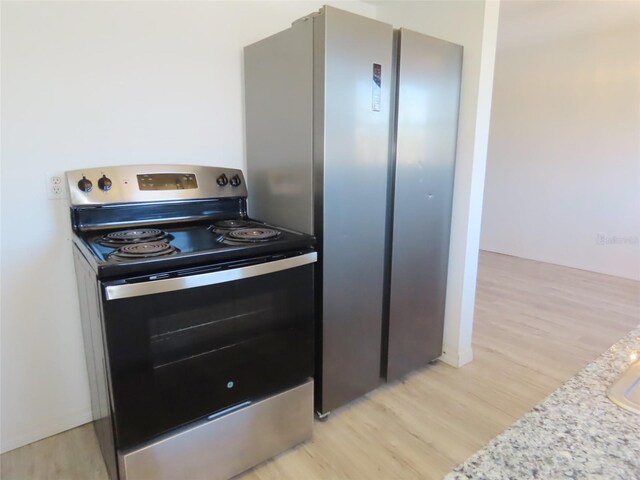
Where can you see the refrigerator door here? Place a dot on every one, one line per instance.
(352, 76)
(278, 78)
(429, 72)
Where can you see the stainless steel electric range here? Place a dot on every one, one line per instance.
(198, 321)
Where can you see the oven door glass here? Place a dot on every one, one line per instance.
(179, 356)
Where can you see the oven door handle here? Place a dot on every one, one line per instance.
(116, 292)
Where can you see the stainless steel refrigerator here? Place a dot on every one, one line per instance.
(351, 134)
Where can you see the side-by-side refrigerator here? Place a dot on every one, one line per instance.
(351, 132)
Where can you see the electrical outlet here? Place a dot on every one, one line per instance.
(55, 186)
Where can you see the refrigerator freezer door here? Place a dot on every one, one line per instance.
(278, 81)
(429, 73)
(352, 75)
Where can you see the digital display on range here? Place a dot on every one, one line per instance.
(167, 181)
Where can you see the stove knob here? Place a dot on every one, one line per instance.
(222, 180)
(85, 185)
(105, 183)
(235, 181)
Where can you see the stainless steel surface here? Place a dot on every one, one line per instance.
(427, 122)
(115, 292)
(344, 176)
(625, 392)
(228, 445)
(125, 188)
(354, 157)
(279, 124)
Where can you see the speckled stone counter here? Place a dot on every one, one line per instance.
(575, 433)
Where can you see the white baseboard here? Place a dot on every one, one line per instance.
(52, 427)
(457, 359)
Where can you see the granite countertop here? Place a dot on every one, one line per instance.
(575, 433)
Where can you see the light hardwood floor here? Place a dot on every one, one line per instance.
(536, 326)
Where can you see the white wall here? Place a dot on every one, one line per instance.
(472, 24)
(563, 176)
(90, 84)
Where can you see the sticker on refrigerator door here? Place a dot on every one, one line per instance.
(377, 87)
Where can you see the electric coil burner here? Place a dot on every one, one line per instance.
(230, 224)
(144, 250)
(124, 237)
(250, 235)
(198, 321)
(138, 243)
(254, 234)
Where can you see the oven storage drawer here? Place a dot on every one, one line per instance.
(227, 445)
(179, 356)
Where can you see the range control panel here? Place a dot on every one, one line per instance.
(153, 183)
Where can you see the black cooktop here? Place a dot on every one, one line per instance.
(120, 252)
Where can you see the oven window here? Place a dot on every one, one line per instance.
(180, 336)
(180, 356)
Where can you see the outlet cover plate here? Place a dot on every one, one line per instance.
(56, 189)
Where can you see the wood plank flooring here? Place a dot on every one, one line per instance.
(536, 326)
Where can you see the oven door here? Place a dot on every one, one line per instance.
(185, 347)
